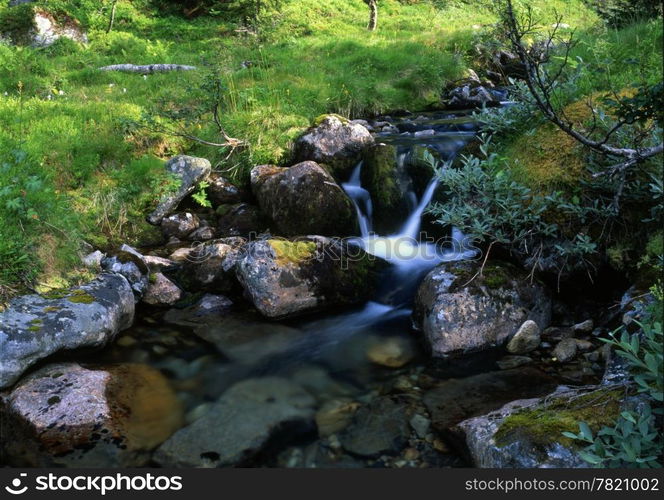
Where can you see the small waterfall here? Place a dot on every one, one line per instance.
(412, 227)
(361, 199)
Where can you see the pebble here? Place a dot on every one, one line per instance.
(565, 350)
(584, 327)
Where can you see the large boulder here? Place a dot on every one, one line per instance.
(25, 24)
(529, 432)
(188, 172)
(240, 424)
(68, 415)
(285, 278)
(460, 309)
(303, 199)
(335, 142)
(240, 219)
(221, 191)
(34, 326)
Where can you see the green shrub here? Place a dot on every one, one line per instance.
(636, 439)
(618, 13)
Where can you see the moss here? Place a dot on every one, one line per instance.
(51, 309)
(53, 400)
(545, 424)
(152, 278)
(495, 276)
(319, 119)
(35, 325)
(81, 297)
(56, 294)
(292, 252)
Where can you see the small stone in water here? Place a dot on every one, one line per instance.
(393, 352)
(584, 327)
(509, 362)
(420, 425)
(526, 339)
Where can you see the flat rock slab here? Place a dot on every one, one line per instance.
(34, 326)
(240, 424)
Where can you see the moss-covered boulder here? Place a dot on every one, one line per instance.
(103, 416)
(285, 278)
(529, 432)
(335, 142)
(303, 199)
(26, 24)
(389, 184)
(460, 308)
(35, 326)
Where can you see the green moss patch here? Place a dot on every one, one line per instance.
(292, 252)
(544, 425)
(81, 297)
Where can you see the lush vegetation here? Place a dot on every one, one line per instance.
(79, 164)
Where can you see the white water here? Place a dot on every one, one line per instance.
(403, 249)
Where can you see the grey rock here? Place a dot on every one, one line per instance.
(303, 199)
(457, 314)
(241, 219)
(478, 435)
(211, 267)
(334, 142)
(284, 278)
(584, 327)
(206, 311)
(189, 171)
(34, 327)
(381, 427)
(179, 225)
(204, 233)
(93, 260)
(565, 350)
(45, 28)
(509, 362)
(421, 425)
(240, 423)
(132, 267)
(67, 415)
(221, 191)
(161, 291)
(556, 333)
(526, 339)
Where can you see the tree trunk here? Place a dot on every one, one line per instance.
(373, 14)
(112, 19)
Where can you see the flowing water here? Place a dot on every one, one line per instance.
(328, 355)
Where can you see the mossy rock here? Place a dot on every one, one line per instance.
(320, 118)
(292, 252)
(388, 186)
(543, 425)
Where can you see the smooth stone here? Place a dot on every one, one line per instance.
(526, 339)
(392, 352)
(565, 350)
(509, 362)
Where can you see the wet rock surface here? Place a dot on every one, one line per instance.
(68, 415)
(459, 310)
(34, 327)
(278, 407)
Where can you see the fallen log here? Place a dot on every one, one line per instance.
(147, 68)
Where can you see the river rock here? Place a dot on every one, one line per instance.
(526, 339)
(68, 415)
(381, 427)
(388, 184)
(240, 424)
(454, 400)
(37, 27)
(179, 225)
(161, 291)
(285, 278)
(34, 327)
(189, 172)
(93, 260)
(392, 352)
(335, 142)
(460, 312)
(221, 191)
(203, 233)
(211, 266)
(303, 199)
(565, 350)
(129, 263)
(470, 96)
(241, 219)
(509, 362)
(335, 415)
(206, 311)
(584, 327)
(528, 433)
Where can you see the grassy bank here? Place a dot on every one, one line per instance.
(75, 167)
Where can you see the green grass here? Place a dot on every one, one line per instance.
(99, 174)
